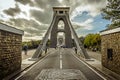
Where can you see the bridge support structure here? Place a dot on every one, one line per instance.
(61, 13)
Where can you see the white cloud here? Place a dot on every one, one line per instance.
(26, 11)
(4, 16)
(38, 13)
(91, 9)
(84, 25)
(31, 38)
(60, 1)
(88, 21)
(5, 4)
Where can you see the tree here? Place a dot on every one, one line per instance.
(31, 44)
(92, 41)
(88, 39)
(112, 12)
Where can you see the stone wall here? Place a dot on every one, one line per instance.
(111, 41)
(10, 53)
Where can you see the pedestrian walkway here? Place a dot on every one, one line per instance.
(96, 63)
(25, 59)
(29, 54)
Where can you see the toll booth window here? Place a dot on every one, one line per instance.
(61, 12)
(110, 54)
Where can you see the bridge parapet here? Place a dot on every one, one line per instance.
(110, 42)
(10, 50)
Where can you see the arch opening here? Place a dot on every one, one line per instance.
(60, 39)
(61, 24)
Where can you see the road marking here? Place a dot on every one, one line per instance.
(60, 56)
(60, 60)
(24, 72)
(60, 63)
(89, 67)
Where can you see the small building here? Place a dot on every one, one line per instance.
(10, 50)
(111, 49)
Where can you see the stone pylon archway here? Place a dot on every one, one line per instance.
(61, 13)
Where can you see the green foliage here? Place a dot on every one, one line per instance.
(31, 44)
(92, 41)
(34, 44)
(112, 12)
(88, 40)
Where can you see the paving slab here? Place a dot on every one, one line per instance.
(61, 74)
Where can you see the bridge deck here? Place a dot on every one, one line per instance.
(60, 65)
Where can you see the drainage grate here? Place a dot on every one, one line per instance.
(60, 74)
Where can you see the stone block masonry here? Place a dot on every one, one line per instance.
(111, 49)
(10, 50)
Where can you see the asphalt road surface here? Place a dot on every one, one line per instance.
(61, 64)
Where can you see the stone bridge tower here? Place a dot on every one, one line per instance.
(60, 14)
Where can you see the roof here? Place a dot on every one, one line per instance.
(11, 29)
(110, 31)
(61, 8)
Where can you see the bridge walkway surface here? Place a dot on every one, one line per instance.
(61, 64)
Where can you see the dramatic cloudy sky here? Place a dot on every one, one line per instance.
(35, 16)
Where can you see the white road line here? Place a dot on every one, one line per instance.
(24, 72)
(60, 60)
(60, 56)
(60, 63)
(90, 67)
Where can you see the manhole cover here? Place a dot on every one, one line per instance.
(60, 74)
